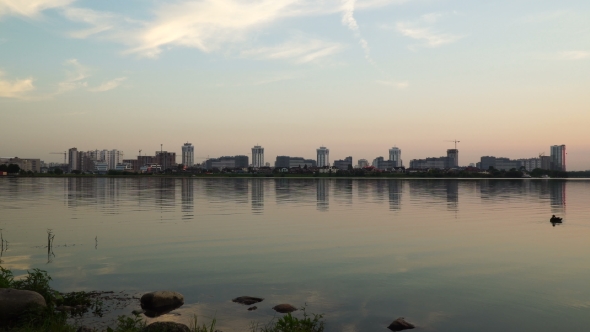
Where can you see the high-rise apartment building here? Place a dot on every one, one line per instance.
(558, 157)
(188, 154)
(258, 156)
(166, 159)
(363, 163)
(73, 159)
(453, 158)
(395, 155)
(343, 164)
(323, 156)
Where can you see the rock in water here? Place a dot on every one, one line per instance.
(247, 300)
(284, 308)
(14, 302)
(252, 308)
(400, 324)
(161, 301)
(166, 327)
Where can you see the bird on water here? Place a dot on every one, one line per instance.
(555, 219)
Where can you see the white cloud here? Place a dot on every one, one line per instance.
(29, 8)
(574, 55)
(207, 24)
(298, 51)
(99, 21)
(74, 77)
(397, 85)
(422, 29)
(16, 88)
(106, 86)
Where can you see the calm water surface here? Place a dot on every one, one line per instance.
(449, 255)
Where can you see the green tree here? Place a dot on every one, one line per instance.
(13, 168)
(58, 171)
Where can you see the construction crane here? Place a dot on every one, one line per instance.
(455, 141)
(64, 153)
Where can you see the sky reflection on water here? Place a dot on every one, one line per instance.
(449, 255)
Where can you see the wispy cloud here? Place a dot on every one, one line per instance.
(74, 77)
(349, 20)
(574, 55)
(106, 86)
(99, 21)
(29, 8)
(298, 51)
(545, 16)
(15, 88)
(423, 30)
(206, 25)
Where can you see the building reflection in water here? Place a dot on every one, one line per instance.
(187, 195)
(557, 195)
(322, 194)
(452, 187)
(343, 191)
(257, 195)
(395, 188)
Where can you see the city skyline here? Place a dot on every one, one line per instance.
(505, 78)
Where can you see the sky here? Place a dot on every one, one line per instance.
(507, 78)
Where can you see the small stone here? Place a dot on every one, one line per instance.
(161, 300)
(400, 324)
(252, 308)
(14, 302)
(284, 308)
(166, 327)
(138, 311)
(247, 300)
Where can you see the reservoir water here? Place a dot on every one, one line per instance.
(448, 255)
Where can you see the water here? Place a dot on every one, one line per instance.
(449, 255)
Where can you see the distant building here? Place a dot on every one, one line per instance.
(134, 164)
(288, 162)
(188, 154)
(33, 165)
(545, 162)
(499, 163)
(450, 161)
(395, 155)
(453, 158)
(227, 162)
(166, 159)
(363, 163)
(343, 164)
(101, 167)
(73, 160)
(258, 156)
(558, 157)
(323, 156)
(530, 163)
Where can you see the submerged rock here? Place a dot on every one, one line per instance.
(252, 308)
(284, 308)
(14, 302)
(400, 324)
(160, 302)
(247, 300)
(166, 327)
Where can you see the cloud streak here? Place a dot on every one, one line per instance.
(298, 51)
(110, 85)
(16, 88)
(29, 8)
(74, 77)
(422, 30)
(574, 55)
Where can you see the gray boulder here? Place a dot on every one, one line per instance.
(284, 308)
(166, 327)
(247, 300)
(400, 324)
(161, 301)
(14, 302)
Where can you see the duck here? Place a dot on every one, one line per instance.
(555, 219)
